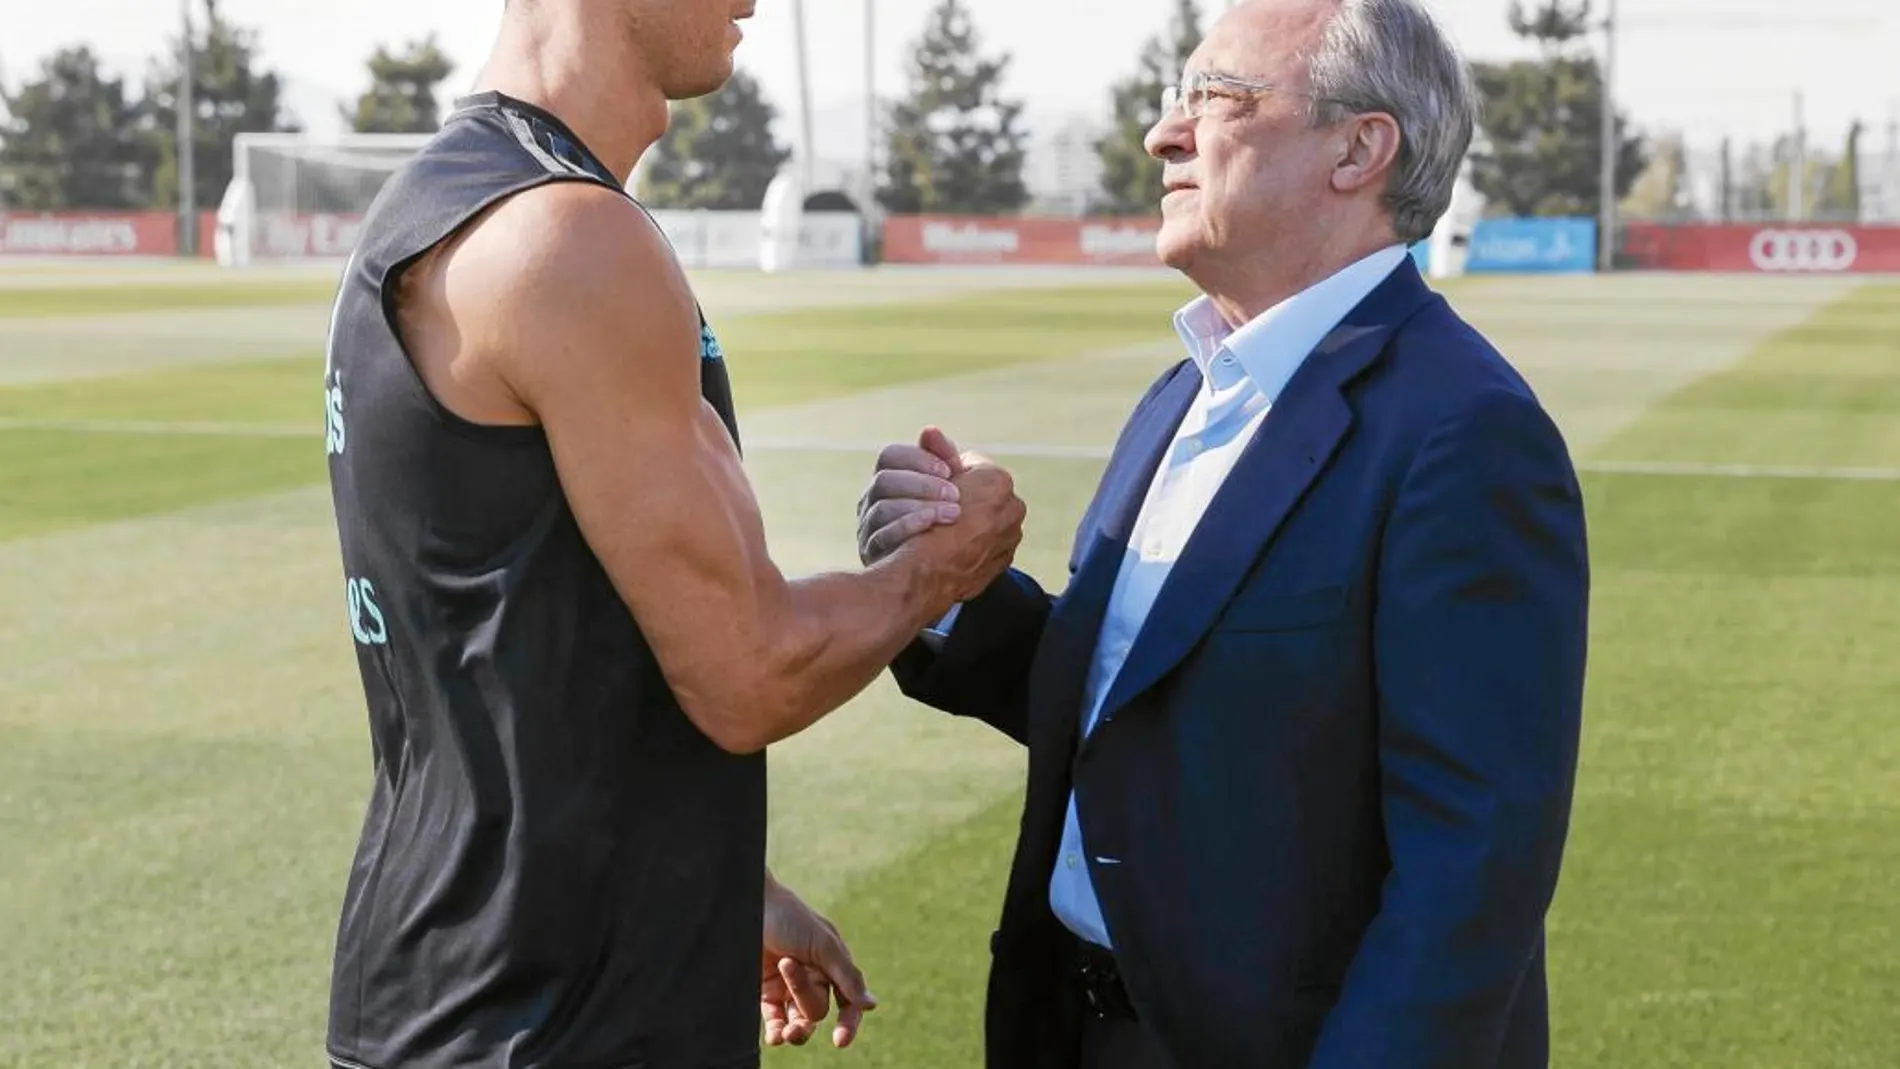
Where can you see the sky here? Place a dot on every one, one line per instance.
(1711, 68)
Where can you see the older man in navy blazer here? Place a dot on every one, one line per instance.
(1303, 725)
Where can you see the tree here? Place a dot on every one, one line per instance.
(1541, 153)
(1752, 193)
(718, 151)
(954, 146)
(1841, 193)
(230, 96)
(401, 96)
(71, 140)
(1131, 179)
(1829, 184)
(1659, 192)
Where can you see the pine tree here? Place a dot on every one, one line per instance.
(718, 151)
(71, 140)
(1131, 179)
(1541, 150)
(401, 96)
(231, 95)
(955, 145)
(1658, 190)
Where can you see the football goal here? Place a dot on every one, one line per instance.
(298, 197)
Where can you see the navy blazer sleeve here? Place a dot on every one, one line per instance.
(1479, 639)
(982, 671)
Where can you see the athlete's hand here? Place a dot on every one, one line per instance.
(967, 555)
(803, 962)
(912, 492)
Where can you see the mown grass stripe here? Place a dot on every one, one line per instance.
(90, 300)
(163, 427)
(1823, 393)
(1033, 450)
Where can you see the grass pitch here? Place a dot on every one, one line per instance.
(184, 762)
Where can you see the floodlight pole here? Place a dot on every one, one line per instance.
(6, 116)
(187, 170)
(808, 150)
(1606, 226)
(870, 95)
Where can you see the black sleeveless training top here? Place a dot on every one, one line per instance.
(556, 867)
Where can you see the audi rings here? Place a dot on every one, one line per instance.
(1803, 250)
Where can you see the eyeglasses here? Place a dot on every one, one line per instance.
(1189, 98)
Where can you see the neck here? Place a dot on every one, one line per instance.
(592, 82)
(1246, 289)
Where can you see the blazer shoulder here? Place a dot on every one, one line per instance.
(1447, 365)
(1442, 371)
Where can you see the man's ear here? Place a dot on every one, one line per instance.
(1369, 152)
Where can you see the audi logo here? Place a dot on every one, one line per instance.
(1803, 250)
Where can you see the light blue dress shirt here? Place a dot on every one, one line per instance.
(1243, 372)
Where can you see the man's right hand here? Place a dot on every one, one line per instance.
(957, 510)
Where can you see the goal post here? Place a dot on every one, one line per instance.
(299, 197)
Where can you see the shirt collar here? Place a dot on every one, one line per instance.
(1272, 346)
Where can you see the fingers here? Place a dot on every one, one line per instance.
(772, 1012)
(897, 483)
(811, 995)
(915, 516)
(985, 485)
(854, 998)
(890, 524)
(911, 493)
(938, 444)
(793, 1019)
(785, 1003)
(850, 1019)
(918, 459)
(835, 959)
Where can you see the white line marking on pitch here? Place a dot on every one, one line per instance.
(1034, 451)
(1608, 467)
(1739, 471)
(134, 426)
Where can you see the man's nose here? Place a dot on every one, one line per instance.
(1170, 139)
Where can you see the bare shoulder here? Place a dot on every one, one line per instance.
(562, 240)
(566, 281)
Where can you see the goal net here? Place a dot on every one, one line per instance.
(298, 197)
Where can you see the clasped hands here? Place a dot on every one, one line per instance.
(960, 505)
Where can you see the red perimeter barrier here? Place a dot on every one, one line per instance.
(948, 239)
(1773, 248)
(99, 233)
(89, 234)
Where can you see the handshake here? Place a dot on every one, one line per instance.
(955, 514)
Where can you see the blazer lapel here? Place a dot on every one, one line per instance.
(1295, 442)
(1076, 623)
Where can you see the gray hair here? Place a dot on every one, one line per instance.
(1390, 56)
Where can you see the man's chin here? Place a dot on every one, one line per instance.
(707, 83)
(1176, 245)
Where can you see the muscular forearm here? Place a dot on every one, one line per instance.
(830, 639)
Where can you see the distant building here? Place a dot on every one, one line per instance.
(1062, 171)
(1879, 176)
